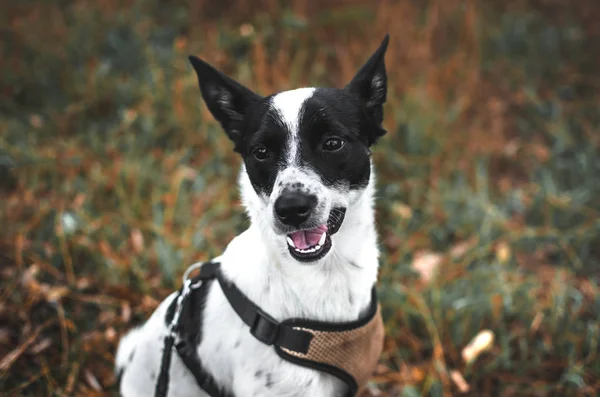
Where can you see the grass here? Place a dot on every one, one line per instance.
(114, 178)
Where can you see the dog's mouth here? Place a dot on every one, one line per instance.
(313, 244)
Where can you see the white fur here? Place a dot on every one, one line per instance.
(289, 106)
(335, 288)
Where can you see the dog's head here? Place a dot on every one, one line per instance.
(305, 151)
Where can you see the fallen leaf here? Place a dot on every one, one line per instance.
(55, 294)
(511, 149)
(402, 210)
(180, 43)
(503, 252)
(129, 116)
(110, 334)
(417, 374)
(483, 341)
(149, 303)
(246, 30)
(41, 346)
(184, 172)
(79, 200)
(29, 275)
(459, 381)
(92, 380)
(426, 264)
(541, 152)
(36, 121)
(461, 248)
(83, 283)
(125, 312)
(536, 322)
(137, 240)
(497, 305)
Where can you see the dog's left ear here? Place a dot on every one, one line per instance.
(370, 84)
(227, 100)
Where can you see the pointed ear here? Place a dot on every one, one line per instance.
(226, 99)
(370, 83)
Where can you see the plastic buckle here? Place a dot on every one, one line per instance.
(264, 328)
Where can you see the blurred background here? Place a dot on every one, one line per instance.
(114, 178)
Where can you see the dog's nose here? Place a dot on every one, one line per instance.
(294, 208)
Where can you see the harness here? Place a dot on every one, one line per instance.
(349, 350)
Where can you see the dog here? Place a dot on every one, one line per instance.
(311, 250)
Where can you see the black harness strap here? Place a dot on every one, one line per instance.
(205, 380)
(262, 326)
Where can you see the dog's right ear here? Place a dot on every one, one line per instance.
(226, 99)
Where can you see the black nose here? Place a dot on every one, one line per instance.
(294, 208)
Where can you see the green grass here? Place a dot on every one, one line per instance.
(114, 178)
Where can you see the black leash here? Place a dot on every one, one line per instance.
(207, 271)
(162, 384)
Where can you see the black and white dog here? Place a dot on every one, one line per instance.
(311, 251)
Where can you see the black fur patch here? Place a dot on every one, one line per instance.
(119, 376)
(269, 382)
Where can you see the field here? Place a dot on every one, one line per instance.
(114, 178)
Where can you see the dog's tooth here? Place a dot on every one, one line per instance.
(322, 239)
(291, 242)
(310, 250)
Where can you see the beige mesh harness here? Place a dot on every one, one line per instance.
(349, 351)
(355, 350)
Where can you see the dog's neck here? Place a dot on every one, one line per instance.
(336, 288)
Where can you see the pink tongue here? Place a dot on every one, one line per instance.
(304, 239)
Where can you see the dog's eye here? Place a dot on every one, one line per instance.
(261, 153)
(333, 144)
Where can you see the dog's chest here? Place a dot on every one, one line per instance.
(248, 367)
